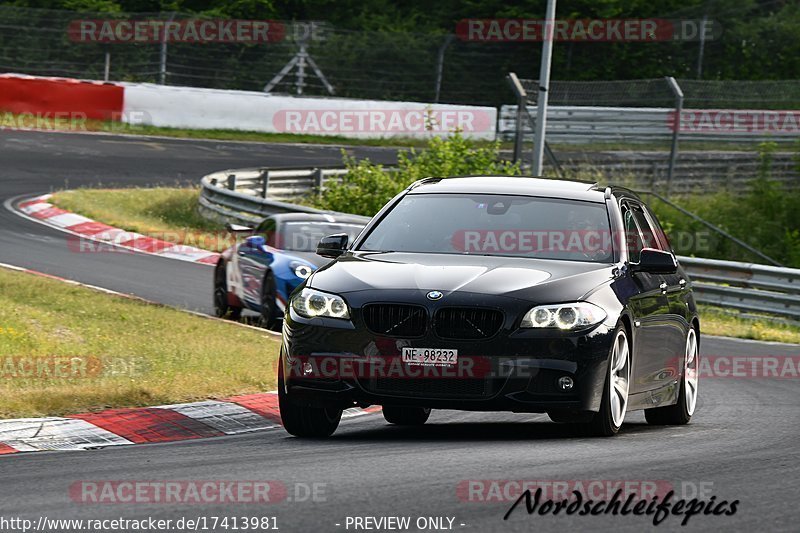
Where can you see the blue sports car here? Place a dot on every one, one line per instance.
(261, 272)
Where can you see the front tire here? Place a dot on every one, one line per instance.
(406, 416)
(607, 421)
(223, 309)
(269, 309)
(303, 421)
(681, 412)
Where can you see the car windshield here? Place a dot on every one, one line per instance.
(304, 236)
(497, 225)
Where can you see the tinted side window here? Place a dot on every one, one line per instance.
(267, 230)
(648, 235)
(633, 238)
(656, 225)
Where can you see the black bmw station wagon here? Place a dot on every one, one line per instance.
(495, 294)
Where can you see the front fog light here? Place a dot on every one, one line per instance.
(565, 383)
(564, 316)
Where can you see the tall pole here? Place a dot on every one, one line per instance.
(702, 49)
(544, 85)
(162, 70)
(107, 68)
(673, 153)
(440, 66)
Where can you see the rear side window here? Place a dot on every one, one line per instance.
(659, 231)
(633, 237)
(648, 235)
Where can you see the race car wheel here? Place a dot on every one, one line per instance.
(269, 318)
(681, 412)
(304, 421)
(222, 307)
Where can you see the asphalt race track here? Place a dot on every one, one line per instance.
(741, 445)
(36, 163)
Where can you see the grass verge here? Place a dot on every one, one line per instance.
(717, 321)
(167, 213)
(173, 211)
(68, 349)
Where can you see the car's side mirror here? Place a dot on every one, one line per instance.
(655, 262)
(333, 245)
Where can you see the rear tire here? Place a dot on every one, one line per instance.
(681, 412)
(303, 421)
(406, 416)
(607, 421)
(223, 309)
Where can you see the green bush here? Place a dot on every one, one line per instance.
(765, 217)
(367, 187)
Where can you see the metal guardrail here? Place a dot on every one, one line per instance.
(694, 171)
(746, 287)
(248, 195)
(587, 124)
(251, 194)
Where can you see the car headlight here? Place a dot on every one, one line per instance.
(301, 270)
(310, 303)
(564, 316)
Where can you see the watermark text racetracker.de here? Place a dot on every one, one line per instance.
(735, 121)
(193, 31)
(586, 30)
(383, 121)
(194, 491)
(75, 121)
(67, 367)
(654, 499)
(103, 239)
(382, 359)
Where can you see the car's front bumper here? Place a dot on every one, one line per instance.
(329, 362)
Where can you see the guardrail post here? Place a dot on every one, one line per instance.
(318, 180)
(519, 92)
(264, 183)
(232, 182)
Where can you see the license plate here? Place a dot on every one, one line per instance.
(430, 356)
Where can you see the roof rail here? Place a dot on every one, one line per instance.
(423, 181)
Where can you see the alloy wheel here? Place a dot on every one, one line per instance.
(620, 372)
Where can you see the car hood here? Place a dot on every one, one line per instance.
(516, 277)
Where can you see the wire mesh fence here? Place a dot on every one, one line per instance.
(617, 93)
(381, 65)
(698, 94)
